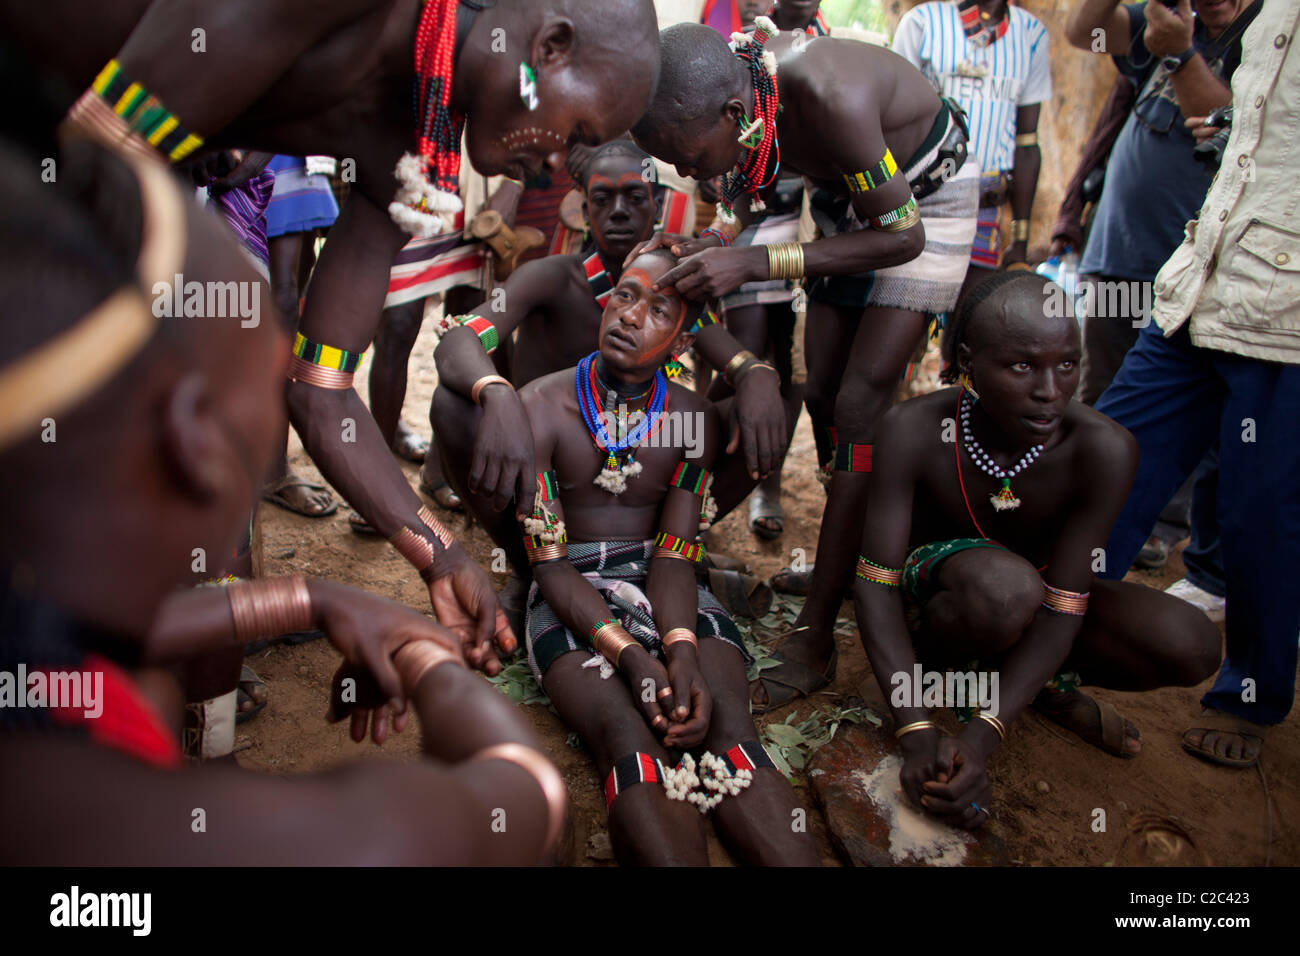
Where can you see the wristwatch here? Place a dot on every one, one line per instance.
(1173, 64)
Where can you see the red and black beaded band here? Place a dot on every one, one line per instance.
(851, 457)
(747, 755)
(629, 770)
(691, 477)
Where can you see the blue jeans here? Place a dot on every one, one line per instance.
(1178, 400)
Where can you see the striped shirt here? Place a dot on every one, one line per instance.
(990, 83)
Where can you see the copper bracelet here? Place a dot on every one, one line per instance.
(548, 552)
(661, 552)
(300, 370)
(544, 772)
(415, 659)
(484, 382)
(445, 537)
(611, 641)
(679, 634)
(416, 548)
(739, 359)
(269, 607)
(96, 119)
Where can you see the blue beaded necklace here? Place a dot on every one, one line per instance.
(613, 476)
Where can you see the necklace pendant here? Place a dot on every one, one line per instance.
(1005, 499)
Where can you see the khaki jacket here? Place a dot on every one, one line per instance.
(1237, 274)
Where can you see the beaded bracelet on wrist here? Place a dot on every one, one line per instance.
(722, 237)
(852, 457)
(671, 546)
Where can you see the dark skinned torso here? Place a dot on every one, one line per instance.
(591, 513)
(1048, 489)
(824, 78)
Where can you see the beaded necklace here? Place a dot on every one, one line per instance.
(429, 180)
(1005, 499)
(620, 463)
(976, 24)
(758, 137)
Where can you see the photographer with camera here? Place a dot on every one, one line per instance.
(1221, 362)
(1179, 61)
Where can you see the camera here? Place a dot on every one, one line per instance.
(1210, 152)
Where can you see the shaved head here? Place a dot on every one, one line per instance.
(698, 74)
(1007, 305)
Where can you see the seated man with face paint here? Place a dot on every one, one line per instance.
(895, 195)
(553, 308)
(637, 658)
(958, 566)
(129, 444)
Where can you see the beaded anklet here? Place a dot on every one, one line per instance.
(322, 365)
(851, 457)
(879, 574)
(628, 771)
(1073, 603)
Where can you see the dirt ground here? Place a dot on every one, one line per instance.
(1048, 783)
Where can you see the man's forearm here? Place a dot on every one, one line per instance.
(854, 253)
(1024, 180)
(345, 443)
(1034, 660)
(1091, 15)
(1198, 90)
(670, 586)
(575, 602)
(879, 612)
(460, 714)
(461, 361)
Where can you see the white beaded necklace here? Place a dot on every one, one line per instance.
(1005, 499)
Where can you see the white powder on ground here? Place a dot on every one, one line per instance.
(912, 835)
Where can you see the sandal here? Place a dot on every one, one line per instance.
(1105, 728)
(790, 581)
(742, 595)
(1220, 722)
(410, 446)
(443, 495)
(764, 509)
(361, 526)
(275, 493)
(247, 702)
(790, 680)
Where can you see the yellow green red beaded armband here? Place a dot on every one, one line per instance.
(874, 177)
(340, 360)
(144, 114)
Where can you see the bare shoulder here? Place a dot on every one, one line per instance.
(687, 399)
(914, 426)
(1098, 438)
(549, 388)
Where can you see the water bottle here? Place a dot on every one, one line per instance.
(1064, 271)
